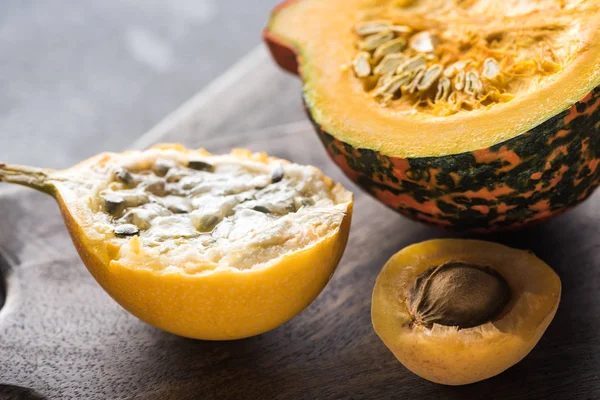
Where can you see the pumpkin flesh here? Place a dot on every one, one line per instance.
(321, 32)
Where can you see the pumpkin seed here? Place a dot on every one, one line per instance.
(277, 174)
(361, 64)
(423, 42)
(459, 81)
(412, 86)
(389, 64)
(126, 230)
(393, 57)
(374, 41)
(393, 46)
(491, 69)
(430, 76)
(411, 64)
(443, 89)
(393, 84)
(200, 165)
(473, 84)
(368, 28)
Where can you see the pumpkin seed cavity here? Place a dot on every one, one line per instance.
(445, 70)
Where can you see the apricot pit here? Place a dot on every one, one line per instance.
(458, 294)
(460, 311)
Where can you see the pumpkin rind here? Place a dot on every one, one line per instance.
(527, 179)
(284, 54)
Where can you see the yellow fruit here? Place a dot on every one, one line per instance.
(204, 246)
(428, 299)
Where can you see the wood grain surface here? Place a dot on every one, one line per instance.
(63, 337)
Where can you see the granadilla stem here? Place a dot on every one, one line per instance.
(35, 178)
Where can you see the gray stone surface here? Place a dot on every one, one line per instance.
(82, 76)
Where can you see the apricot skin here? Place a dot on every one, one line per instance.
(451, 356)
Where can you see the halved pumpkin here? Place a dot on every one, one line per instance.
(477, 115)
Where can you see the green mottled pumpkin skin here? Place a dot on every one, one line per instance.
(524, 180)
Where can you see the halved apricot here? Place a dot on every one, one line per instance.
(459, 311)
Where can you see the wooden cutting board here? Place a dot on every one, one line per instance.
(64, 338)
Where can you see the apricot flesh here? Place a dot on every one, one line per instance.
(455, 355)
